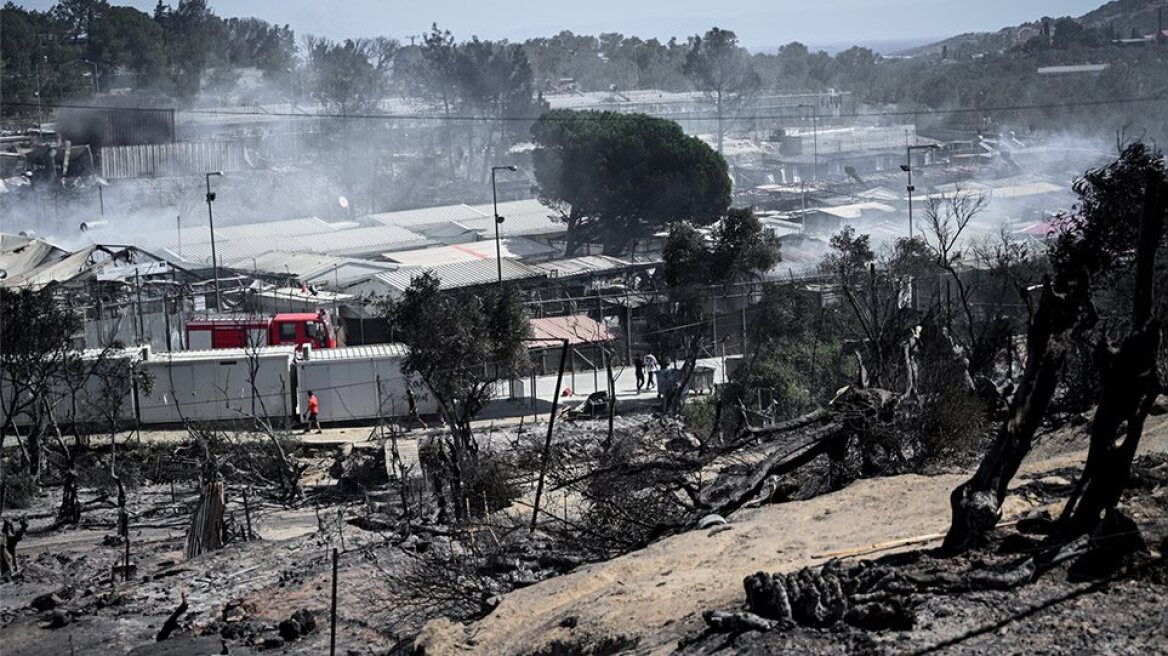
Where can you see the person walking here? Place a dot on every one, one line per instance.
(651, 368)
(639, 366)
(313, 410)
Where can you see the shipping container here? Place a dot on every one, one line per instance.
(359, 383)
(218, 385)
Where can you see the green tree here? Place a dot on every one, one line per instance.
(737, 249)
(460, 345)
(38, 61)
(36, 351)
(343, 76)
(718, 66)
(619, 177)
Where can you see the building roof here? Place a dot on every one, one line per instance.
(520, 218)
(20, 255)
(429, 215)
(576, 328)
(580, 266)
(369, 240)
(516, 248)
(369, 352)
(854, 211)
(313, 266)
(459, 274)
(1070, 70)
(306, 226)
(215, 355)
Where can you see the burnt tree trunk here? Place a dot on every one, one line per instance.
(206, 532)
(1130, 385)
(977, 503)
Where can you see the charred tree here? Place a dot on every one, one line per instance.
(1130, 385)
(1118, 212)
(206, 531)
(976, 504)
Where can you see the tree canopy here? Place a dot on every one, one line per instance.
(620, 177)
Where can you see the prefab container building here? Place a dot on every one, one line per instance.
(358, 383)
(91, 388)
(218, 385)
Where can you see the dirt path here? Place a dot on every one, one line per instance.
(655, 596)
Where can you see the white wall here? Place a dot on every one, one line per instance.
(216, 389)
(347, 389)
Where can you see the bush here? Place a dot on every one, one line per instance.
(19, 489)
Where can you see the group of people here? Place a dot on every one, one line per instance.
(646, 368)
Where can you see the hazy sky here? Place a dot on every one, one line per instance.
(759, 23)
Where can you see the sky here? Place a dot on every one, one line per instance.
(760, 24)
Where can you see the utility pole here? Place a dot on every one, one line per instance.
(907, 167)
(211, 220)
(498, 219)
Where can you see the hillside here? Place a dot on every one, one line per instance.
(1124, 16)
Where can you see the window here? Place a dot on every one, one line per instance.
(287, 332)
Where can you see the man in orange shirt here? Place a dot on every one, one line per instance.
(313, 408)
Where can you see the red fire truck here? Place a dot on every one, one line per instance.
(290, 329)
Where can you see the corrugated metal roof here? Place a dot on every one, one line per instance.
(575, 266)
(576, 328)
(521, 217)
(309, 266)
(369, 352)
(460, 274)
(429, 215)
(855, 210)
(370, 240)
(518, 248)
(305, 226)
(223, 354)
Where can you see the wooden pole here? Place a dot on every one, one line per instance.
(333, 612)
(547, 445)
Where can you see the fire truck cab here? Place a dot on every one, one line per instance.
(289, 329)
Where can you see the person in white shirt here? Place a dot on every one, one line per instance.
(651, 368)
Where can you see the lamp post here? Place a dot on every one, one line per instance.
(211, 220)
(96, 84)
(498, 219)
(908, 168)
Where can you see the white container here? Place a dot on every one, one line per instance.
(217, 385)
(345, 381)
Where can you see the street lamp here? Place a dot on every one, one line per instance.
(211, 220)
(499, 219)
(908, 168)
(96, 84)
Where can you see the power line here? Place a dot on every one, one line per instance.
(595, 115)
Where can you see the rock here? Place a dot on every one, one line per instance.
(272, 642)
(724, 622)
(46, 601)
(306, 620)
(56, 620)
(289, 630)
(710, 521)
(1036, 522)
(569, 622)
(880, 616)
(683, 443)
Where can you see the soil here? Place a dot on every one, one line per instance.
(650, 600)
